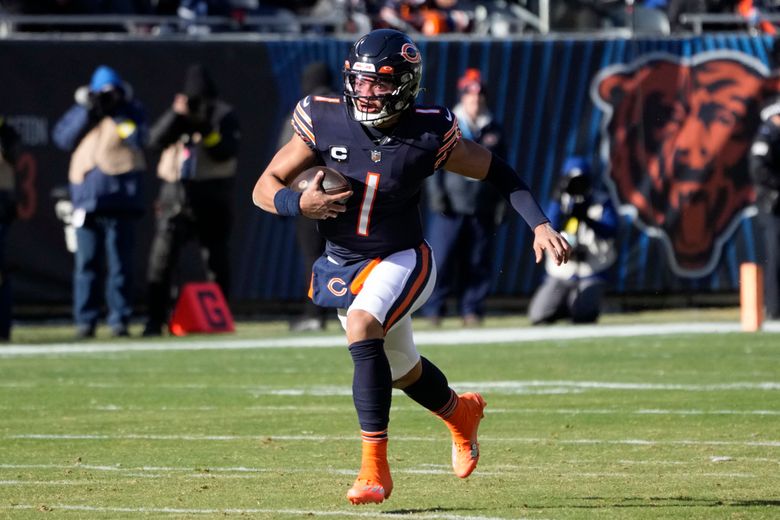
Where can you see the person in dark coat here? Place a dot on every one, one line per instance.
(465, 215)
(9, 152)
(199, 137)
(316, 80)
(765, 172)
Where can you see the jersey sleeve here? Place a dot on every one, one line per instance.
(302, 122)
(450, 136)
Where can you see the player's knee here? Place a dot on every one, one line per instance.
(361, 325)
(409, 378)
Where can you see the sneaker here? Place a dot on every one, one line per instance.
(464, 426)
(472, 320)
(152, 329)
(120, 331)
(307, 325)
(85, 332)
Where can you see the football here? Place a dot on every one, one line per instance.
(333, 183)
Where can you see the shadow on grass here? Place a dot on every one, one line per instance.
(680, 501)
(422, 510)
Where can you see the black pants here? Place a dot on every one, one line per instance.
(185, 211)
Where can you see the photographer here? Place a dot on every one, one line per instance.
(588, 221)
(9, 152)
(765, 173)
(199, 138)
(105, 131)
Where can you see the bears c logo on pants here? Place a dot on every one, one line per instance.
(337, 286)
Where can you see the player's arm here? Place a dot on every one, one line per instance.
(272, 194)
(473, 160)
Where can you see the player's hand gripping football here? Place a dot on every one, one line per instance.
(545, 237)
(316, 204)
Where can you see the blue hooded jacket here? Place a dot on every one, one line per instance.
(100, 192)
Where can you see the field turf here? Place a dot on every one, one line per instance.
(658, 426)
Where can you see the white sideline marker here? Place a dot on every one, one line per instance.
(449, 337)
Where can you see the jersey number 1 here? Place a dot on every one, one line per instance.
(364, 218)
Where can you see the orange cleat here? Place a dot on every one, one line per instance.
(365, 491)
(374, 483)
(463, 425)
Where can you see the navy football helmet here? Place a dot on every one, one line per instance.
(383, 55)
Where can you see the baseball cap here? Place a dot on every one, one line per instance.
(103, 78)
(471, 81)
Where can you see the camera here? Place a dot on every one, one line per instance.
(576, 186)
(106, 102)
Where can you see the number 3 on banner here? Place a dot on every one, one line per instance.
(364, 218)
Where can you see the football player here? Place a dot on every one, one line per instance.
(377, 269)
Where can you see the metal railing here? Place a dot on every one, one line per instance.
(146, 25)
(697, 21)
(285, 22)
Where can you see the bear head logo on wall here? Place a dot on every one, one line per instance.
(676, 136)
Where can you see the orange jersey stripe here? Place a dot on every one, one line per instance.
(451, 130)
(445, 154)
(301, 128)
(301, 112)
(448, 145)
(357, 284)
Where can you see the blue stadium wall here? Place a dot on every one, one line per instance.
(540, 91)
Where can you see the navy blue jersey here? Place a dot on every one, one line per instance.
(383, 215)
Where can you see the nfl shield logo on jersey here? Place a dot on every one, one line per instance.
(376, 155)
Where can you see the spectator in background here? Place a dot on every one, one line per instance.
(429, 17)
(765, 172)
(316, 80)
(105, 131)
(199, 138)
(464, 215)
(754, 13)
(589, 222)
(358, 16)
(191, 11)
(9, 152)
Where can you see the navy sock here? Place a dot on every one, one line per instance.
(432, 390)
(372, 385)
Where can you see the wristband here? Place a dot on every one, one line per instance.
(287, 202)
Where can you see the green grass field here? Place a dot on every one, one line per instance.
(668, 426)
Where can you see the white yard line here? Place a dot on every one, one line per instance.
(43, 482)
(227, 472)
(400, 438)
(494, 387)
(239, 511)
(607, 411)
(444, 337)
(423, 469)
(349, 409)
